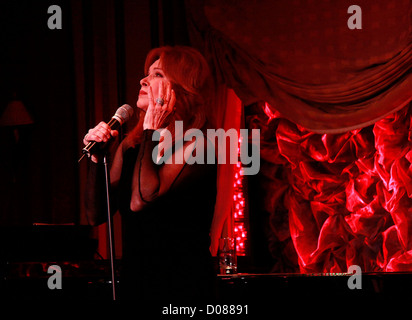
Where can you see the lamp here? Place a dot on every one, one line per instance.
(15, 114)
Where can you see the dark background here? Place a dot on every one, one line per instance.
(69, 80)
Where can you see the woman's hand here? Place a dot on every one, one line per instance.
(157, 114)
(100, 133)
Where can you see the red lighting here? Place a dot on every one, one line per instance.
(239, 229)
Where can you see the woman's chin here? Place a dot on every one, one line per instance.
(141, 106)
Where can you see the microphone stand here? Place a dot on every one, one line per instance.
(110, 228)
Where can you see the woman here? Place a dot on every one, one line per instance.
(166, 208)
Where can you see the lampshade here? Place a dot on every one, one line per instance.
(15, 114)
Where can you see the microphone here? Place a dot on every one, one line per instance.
(122, 115)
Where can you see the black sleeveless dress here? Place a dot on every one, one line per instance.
(166, 246)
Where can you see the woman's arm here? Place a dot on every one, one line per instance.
(95, 197)
(95, 193)
(146, 180)
(151, 181)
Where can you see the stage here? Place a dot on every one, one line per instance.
(90, 280)
(328, 96)
(34, 257)
(255, 287)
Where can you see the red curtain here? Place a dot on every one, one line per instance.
(302, 58)
(336, 132)
(347, 196)
(228, 114)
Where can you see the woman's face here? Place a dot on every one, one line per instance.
(154, 79)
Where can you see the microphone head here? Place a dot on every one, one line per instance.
(124, 113)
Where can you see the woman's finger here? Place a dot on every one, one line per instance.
(101, 133)
(168, 92)
(172, 101)
(114, 133)
(150, 96)
(92, 136)
(162, 95)
(104, 132)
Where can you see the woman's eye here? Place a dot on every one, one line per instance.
(157, 74)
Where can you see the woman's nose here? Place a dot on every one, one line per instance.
(144, 82)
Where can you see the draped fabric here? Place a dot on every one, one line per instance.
(302, 58)
(227, 116)
(336, 128)
(347, 196)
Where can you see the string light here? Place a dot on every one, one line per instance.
(239, 229)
